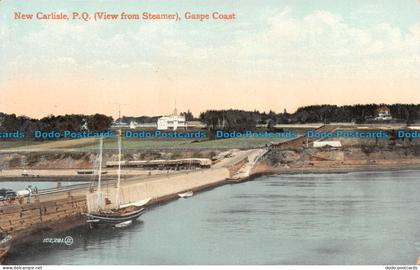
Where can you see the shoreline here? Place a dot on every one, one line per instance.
(269, 171)
(320, 170)
(295, 171)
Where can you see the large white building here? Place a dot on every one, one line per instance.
(173, 121)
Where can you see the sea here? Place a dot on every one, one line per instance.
(304, 219)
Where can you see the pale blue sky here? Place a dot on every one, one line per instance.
(253, 17)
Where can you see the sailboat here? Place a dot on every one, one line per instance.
(121, 213)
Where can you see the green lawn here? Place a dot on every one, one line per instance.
(18, 143)
(138, 144)
(134, 144)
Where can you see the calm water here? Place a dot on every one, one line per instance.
(356, 218)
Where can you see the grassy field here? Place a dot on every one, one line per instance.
(45, 146)
(136, 144)
(85, 145)
(17, 144)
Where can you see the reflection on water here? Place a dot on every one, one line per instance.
(354, 218)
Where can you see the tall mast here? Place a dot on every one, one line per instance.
(99, 192)
(117, 195)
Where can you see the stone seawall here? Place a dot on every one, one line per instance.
(22, 220)
(66, 210)
(164, 187)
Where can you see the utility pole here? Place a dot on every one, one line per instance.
(119, 108)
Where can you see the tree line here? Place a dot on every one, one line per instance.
(60, 123)
(359, 113)
(239, 120)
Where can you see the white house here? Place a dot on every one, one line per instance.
(173, 121)
(384, 113)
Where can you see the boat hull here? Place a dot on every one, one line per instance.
(3, 254)
(186, 194)
(107, 218)
(123, 224)
(5, 244)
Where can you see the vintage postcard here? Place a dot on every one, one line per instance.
(182, 132)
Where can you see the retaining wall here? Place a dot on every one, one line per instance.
(24, 220)
(19, 220)
(162, 188)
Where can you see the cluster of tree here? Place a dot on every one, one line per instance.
(139, 119)
(230, 119)
(241, 120)
(60, 123)
(358, 113)
(188, 115)
(238, 120)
